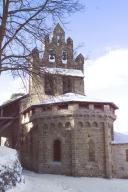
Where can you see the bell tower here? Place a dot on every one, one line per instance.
(59, 71)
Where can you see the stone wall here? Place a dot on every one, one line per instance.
(38, 93)
(77, 129)
(83, 166)
(120, 164)
(51, 129)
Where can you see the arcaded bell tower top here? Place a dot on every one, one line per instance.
(58, 52)
(61, 71)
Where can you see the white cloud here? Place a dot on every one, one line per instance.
(107, 78)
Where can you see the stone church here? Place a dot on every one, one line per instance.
(56, 127)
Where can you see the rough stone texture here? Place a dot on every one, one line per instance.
(119, 163)
(74, 128)
(37, 84)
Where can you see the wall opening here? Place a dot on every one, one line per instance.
(94, 124)
(57, 151)
(80, 124)
(51, 56)
(87, 124)
(91, 150)
(4, 141)
(67, 85)
(49, 89)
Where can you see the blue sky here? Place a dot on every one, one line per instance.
(103, 24)
(102, 29)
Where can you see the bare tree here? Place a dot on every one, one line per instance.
(24, 23)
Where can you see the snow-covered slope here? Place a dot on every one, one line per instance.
(10, 168)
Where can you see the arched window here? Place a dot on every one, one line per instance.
(80, 124)
(87, 124)
(51, 56)
(67, 125)
(91, 150)
(60, 125)
(64, 57)
(94, 124)
(57, 150)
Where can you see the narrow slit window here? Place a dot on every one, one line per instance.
(67, 85)
(91, 151)
(49, 89)
(57, 151)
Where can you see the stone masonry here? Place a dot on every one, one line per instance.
(71, 137)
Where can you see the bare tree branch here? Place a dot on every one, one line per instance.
(23, 24)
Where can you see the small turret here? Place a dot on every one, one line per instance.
(46, 40)
(58, 30)
(35, 55)
(70, 51)
(46, 51)
(80, 61)
(69, 42)
(58, 35)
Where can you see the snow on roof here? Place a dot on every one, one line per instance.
(13, 100)
(120, 138)
(7, 157)
(69, 97)
(63, 71)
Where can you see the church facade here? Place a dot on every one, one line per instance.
(61, 130)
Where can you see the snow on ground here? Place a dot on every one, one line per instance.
(58, 183)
